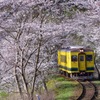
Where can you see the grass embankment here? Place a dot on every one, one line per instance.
(64, 89)
(3, 95)
(97, 82)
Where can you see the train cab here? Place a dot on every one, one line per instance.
(76, 61)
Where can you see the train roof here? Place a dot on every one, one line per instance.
(76, 48)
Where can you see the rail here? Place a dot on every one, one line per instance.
(89, 91)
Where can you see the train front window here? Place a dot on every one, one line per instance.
(89, 57)
(81, 58)
(74, 58)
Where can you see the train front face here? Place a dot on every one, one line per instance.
(76, 62)
(86, 63)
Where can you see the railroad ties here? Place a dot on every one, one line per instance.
(89, 91)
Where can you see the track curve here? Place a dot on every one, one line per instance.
(89, 91)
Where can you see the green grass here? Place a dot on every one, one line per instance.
(64, 88)
(97, 82)
(3, 95)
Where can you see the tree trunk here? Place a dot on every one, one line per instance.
(26, 85)
(97, 71)
(44, 83)
(18, 83)
(35, 73)
(32, 92)
(45, 86)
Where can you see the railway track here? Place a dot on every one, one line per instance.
(89, 91)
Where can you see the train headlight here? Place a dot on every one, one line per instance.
(81, 50)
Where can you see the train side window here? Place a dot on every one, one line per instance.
(89, 57)
(74, 58)
(63, 58)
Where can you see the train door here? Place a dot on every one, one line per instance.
(82, 62)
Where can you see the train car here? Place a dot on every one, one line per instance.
(76, 62)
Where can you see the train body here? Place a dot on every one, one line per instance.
(76, 62)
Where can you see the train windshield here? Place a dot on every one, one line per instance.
(81, 58)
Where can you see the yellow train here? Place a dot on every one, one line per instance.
(76, 61)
